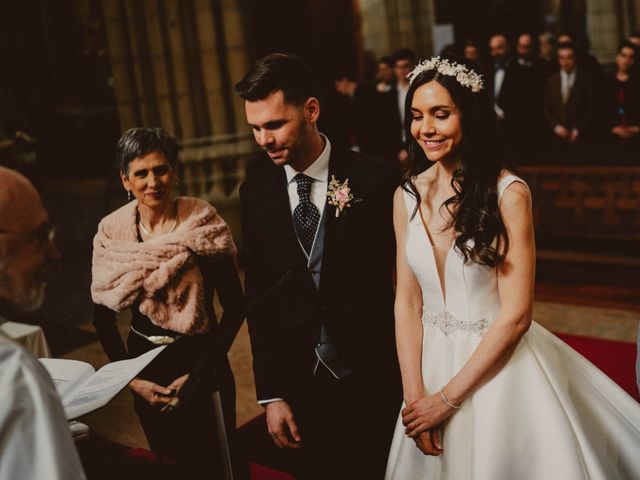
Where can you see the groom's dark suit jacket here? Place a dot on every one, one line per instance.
(355, 298)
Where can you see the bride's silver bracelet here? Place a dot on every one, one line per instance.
(446, 400)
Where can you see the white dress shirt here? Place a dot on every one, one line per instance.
(498, 80)
(567, 80)
(319, 171)
(402, 97)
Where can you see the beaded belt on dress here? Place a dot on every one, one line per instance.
(447, 323)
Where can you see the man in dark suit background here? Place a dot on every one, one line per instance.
(324, 352)
(506, 86)
(570, 100)
(390, 116)
(532, 73)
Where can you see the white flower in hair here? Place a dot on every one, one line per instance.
(463, 75)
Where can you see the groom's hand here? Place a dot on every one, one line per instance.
(282, 426)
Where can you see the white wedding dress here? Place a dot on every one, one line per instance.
(548, 414)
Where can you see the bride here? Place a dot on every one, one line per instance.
(488, 393)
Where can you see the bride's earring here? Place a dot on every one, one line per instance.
(129, 195)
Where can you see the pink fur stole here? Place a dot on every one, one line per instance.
(162, 271)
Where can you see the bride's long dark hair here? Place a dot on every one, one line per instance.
(475, 216)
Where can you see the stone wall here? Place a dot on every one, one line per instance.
(175, 63)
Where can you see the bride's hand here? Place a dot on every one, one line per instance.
(424, 414)
(429, 442)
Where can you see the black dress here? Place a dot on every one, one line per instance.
(622, 107)
(187, 434)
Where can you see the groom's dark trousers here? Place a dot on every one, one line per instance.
(346, 424)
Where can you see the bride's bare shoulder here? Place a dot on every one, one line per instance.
(505, 173)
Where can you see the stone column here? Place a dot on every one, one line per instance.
(632, 9)
(391, 24)
(175, 64)
(605, 26)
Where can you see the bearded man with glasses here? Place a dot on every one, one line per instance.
(35, 438)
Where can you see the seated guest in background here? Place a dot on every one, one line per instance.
(501, 90)
(373, 132)
(539, 66)
(356, 110)
(527, 122)
(449, 50)
(545, 47)
(525, 50)
(584, 57)
(506, 89)
(471, 52)
(570, 102)
(393, 114)
(622, 100)
(164, 257)
(35, 440)
(368, 117)
(385, 77)
(634, 37)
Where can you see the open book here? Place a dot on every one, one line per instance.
(83, 390)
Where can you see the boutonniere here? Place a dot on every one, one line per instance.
(340, 196)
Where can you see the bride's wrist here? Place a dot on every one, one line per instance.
(449, 399)
(412, 397)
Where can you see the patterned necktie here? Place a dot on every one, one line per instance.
(305, 215)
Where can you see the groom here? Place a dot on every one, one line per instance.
(323, 350)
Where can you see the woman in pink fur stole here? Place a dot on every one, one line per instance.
(164, 258)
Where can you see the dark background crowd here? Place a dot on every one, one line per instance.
(556, 104)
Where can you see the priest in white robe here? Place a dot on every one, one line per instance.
(35, 440)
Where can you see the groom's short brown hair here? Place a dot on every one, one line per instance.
(278, 71)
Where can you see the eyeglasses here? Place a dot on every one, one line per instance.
(40, 237)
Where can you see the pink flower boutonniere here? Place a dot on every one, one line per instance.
(340, 195)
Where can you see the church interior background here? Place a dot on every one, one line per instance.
(74, 74)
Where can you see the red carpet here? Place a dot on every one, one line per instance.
(260, 472)
(616, 359)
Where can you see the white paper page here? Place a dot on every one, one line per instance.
(67, 374)
(101, 387)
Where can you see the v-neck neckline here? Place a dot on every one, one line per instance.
(442, 281)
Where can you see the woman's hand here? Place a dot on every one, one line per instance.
(430, 442)
(154, 394)
(425, 414)
(176, 385)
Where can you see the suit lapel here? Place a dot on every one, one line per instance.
(575, 92)
(335, 226)
(281, 220)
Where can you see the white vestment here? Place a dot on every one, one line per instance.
(35, 440)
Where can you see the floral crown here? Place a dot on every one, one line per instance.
(463, 75)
